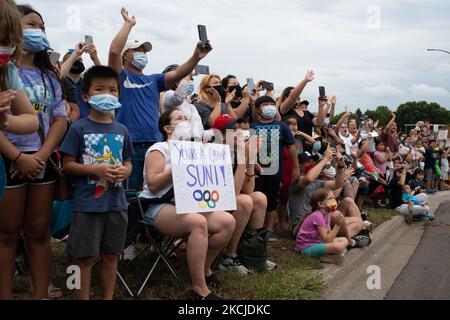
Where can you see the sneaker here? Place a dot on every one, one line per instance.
(270, 265)
(351, 245)
(362, 241)
(129, 253)
(431, 217)
(364, 216)
(21, 265)
(232, 264)
(213, 282)
(367, 224)
(272, 237)
(194, 296)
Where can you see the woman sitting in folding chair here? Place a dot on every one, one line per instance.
(207, 234)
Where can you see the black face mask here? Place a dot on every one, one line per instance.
(238, 92)
(77, 67)
(221, 92)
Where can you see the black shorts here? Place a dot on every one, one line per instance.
(50, 175)
(270, 186)
(93, 233)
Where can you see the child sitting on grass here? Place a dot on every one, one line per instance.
(315, 238)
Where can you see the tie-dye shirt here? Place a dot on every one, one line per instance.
(47, 102)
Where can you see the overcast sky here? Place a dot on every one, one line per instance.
(368, 53)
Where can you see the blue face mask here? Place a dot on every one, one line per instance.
(140, 60)
(35, 40)
(191, 88)
(104, 103)
(269, 112)
(317, 146)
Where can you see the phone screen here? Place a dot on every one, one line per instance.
(267, 85)
(203, 35)
(89, 40)
(251, 85)
(322, 93)
(200, 69)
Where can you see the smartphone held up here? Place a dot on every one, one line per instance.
(203, 36)
(89, 40)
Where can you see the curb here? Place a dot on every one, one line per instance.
(335, 273)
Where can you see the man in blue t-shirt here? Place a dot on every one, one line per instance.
(140, 93)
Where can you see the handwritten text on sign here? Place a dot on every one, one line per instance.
(202, 177)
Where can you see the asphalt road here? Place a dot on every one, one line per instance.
(427, 274)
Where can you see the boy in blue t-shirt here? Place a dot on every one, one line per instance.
(275, 136)
(97, 152)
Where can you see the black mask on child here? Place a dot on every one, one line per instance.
(77, 67)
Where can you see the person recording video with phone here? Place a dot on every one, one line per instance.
(140, 92)
(72, 68)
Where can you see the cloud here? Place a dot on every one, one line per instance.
(384, 91)
(424, 90)
(279, 40)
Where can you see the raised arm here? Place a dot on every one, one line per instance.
(340, 174)
(186, 68)
(76, 54)
(92, 51)
(342, 120)
(318, 121)
(389, 125)
(115, 51)
(296, 92)
(315, 172)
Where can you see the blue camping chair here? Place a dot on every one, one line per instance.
(61, 218)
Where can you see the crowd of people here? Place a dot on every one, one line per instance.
(108, 127)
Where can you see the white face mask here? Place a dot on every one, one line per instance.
(182, 131)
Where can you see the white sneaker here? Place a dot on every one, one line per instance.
(129, 253)
(367, 224)
(270, 265)
(233, 264)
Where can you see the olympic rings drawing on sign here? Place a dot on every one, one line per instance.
(206, 198)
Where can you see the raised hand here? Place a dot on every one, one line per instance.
(130, 20)
(214, 95)
(309, 76)
(91, 50)
(201, 52)
(230, 96)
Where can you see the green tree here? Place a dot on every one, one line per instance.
(412, 112)
(383, 114)
(358, 114)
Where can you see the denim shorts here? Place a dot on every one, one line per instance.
(152, 212)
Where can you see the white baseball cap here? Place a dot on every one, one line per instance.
(134, 44)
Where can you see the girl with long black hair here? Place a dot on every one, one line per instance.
(31, 176)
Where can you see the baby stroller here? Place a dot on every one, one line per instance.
(380, 190)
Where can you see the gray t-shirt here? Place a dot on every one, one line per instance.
(299, 200)
(205, 111)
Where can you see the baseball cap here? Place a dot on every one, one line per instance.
(304, 157)
(134, 44)
(262, 100)
(224, 121)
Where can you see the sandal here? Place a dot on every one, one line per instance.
(54, 292)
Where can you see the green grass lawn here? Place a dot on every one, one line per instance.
(296, 277)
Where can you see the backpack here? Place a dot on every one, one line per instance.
(252, 249)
